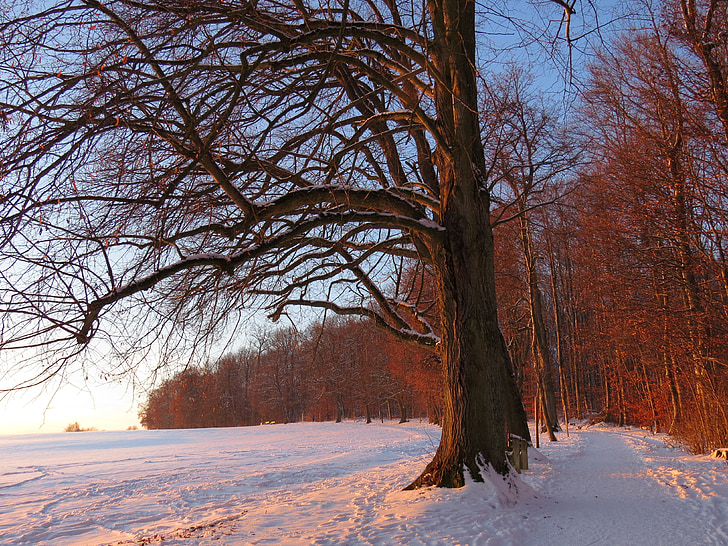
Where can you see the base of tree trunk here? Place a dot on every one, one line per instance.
(451, 474)
(439, 475)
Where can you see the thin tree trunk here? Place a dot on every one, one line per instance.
(539, 343)
(650, 398)
(537, 413)
(572, 329)
(516, 417)
(607, 391)
(564, 400)
(576, 375)
(559, 338)
(621, 402)
(339, 408)
(675, 394)
(402, 411)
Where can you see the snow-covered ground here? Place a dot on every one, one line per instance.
(326, 483)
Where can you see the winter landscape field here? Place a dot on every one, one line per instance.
(327, 483)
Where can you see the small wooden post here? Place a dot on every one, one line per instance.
(537, 411)
(518, 453)
(524, 453)
(514, 456)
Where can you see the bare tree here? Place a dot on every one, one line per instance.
(532, 156)
(177, 158)
(704, 27)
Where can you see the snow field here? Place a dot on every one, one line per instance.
(326, 484)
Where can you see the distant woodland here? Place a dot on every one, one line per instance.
(611, 266)
(342, 369)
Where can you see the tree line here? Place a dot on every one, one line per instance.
(624, 276)
(337, 369)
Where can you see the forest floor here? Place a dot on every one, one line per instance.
(326, 483)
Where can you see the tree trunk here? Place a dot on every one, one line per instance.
(539, 343)
(475, 362)
(559, 338)
(402, 411)
(622, 404)
(655, 425)
(606, 378)
(576, 373)
(474, 357)
(516, 417)
(675, 394)
(339, 408)
(537, 414)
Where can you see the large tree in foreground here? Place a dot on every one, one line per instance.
(179, 157)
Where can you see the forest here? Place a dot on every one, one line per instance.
(611, 261)
(343, 369)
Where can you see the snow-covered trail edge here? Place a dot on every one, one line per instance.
(622, 486)
(332, 484)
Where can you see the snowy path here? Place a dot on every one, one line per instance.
(631, 492)
(330, 485)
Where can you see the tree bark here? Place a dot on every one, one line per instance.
(516, 417)
(402, 411)
(675, 394)
(474, 357)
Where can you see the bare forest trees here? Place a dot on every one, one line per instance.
(339, 369)
(532, 159)
(657, 211)
(165, 163)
